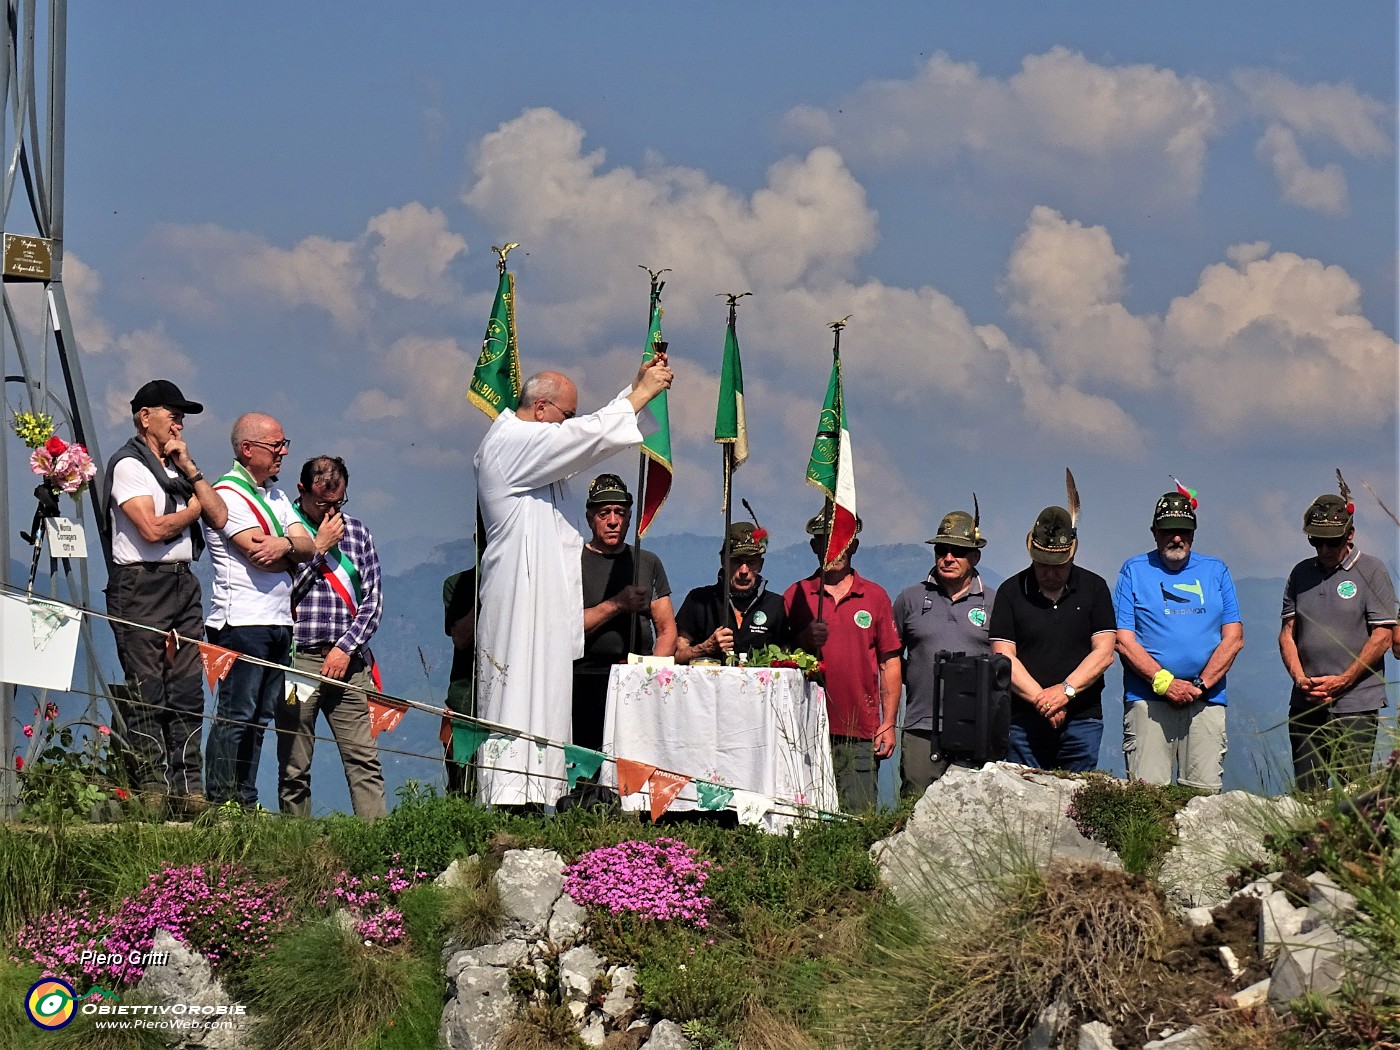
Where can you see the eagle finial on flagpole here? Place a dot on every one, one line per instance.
(501, 254)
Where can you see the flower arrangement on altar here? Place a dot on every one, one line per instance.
(63, 467)
(811, 667)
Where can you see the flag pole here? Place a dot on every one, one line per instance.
(829, 506)
(728, 556)
(657, 347)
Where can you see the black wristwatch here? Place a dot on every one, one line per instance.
(1198, 683)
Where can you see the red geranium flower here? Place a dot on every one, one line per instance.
(19, 763)
(122, 794)
(55, 446)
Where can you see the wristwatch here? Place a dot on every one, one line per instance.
(1070, 691)
(1198, 683)
(196, 477)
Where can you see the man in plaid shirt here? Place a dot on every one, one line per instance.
(338, 604)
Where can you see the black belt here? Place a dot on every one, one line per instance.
(315, 650)
(176, 567)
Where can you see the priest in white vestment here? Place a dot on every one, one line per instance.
(530, 624)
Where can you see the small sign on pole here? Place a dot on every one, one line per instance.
(28, 258)
(66, 538)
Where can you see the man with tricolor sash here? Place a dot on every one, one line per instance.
(251, 608)
(337, 599)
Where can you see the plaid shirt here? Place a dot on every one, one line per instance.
(321, 617)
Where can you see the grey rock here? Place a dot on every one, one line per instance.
(666, 1035)
(1256, 994)
(578, 969)
(1216, 834)
(1193, 1038)
(475, 1016)
(1199, 918)
(1316, 961)
(530, 881)
(509, 953)
(458, 873)
(1329, 900)
(974, 825)
(1279, 922)
(621, 995)
(344, 920)
(186, 977)
(1230, 961)
(566, 920)
(593, 1033)
(1048, 1025)
(1095, 1036)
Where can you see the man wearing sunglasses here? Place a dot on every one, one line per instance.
(251, 606)
(948, 612)
(1338, 616)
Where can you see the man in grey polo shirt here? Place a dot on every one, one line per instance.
(1338, 617)
(948, 611)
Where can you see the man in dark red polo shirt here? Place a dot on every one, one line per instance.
(860, 647)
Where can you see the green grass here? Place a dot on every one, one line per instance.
(1133, 818)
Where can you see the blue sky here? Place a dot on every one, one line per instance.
(1134, 239)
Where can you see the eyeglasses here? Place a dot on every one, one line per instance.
(562, 412)
(942, 550)
(277, 448)
(1320, 544)
(329, 504)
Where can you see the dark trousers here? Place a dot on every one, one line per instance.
(164, 709)
(1327, 744)
(1036, 743)
(590, 705)
(248, 700)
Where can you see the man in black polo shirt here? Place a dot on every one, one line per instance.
(1055, 622)
(754, 619)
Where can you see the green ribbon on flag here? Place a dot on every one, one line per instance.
(712, 795)
(466, 739)
(581, 762)
(495, 385)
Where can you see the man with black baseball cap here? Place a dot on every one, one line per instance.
(1338, 617)
(1179, 630)
(156, 496)
(618, 592)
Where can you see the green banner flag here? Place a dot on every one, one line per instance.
(466, 738)
(831, 467)
(656, 448)
(495, 386)
(712, 795)
(731, 427)
(581, 762)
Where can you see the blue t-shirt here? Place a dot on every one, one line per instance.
(1177, 616)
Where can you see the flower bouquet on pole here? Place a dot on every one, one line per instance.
(61, 467)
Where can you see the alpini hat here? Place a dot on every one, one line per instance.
(961, 529)
(1054, 538)
(1330, 517)
(819, 525)
(1174, 511)
(608, 489)
(746, 540)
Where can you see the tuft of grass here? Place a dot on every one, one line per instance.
(1133, 818)
(542, 1027)
(321, 989)
(473, 912)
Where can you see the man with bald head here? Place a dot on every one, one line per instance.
(530, 624)
(261, 542)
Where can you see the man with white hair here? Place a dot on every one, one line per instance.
(530, 625)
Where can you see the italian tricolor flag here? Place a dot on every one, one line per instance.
(832, 467)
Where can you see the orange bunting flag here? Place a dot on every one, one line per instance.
(172, 646)
(664, 789)
(632, 776)
(384, 714)
(216, 660)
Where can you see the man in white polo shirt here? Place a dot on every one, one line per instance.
(251, 608)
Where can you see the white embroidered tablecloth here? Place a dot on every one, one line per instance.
(760, 730)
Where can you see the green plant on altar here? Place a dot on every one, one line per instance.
(66, 778)
(775, 656)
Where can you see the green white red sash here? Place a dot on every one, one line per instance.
(343, 578)
(238, 482)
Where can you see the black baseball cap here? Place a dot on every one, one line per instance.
(162, 393)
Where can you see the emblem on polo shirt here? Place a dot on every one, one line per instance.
(1346, 589)
(759, 618)
(977, 617)
(864, 619)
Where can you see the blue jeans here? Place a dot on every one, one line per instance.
(1073, 747)
(248, 699)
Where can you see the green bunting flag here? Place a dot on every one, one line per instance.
(466, 739)
(581, 762)
(495, 386)
(657, 448)
(712, 795)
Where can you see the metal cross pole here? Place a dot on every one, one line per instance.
(33, 255)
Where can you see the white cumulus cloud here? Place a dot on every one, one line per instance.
(413, 250)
